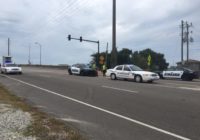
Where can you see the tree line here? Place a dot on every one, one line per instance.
(157, 61)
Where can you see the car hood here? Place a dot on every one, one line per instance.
(143, 72)
(13, 67)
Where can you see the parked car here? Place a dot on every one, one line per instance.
(178, 73)
(11, 68)
(131, 72)
(82, 70)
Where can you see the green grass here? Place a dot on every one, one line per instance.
(43, 126)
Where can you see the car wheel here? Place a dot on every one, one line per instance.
(20, 73)
(69, 71)
(138, 79)
(113, 76)
(184, 78)
(81, 73)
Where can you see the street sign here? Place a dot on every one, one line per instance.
(149, 60)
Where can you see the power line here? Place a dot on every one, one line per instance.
(74, 10)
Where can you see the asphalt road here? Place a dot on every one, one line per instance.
(104, 109)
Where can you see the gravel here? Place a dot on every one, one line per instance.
(13, 122)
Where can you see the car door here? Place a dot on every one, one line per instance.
(119, 71)
(126, 72)
(172, 74)
(75, 69)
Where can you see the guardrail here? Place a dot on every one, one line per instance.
(47, 66)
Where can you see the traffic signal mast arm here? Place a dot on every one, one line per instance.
(81, 39)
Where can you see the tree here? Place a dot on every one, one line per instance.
(124, 56)
(139, 58)
(158, 61)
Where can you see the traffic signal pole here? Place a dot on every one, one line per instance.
(91, 41)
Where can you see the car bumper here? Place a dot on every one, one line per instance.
(151, 78)
(13, 71)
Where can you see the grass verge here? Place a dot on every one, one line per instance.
(43, 127)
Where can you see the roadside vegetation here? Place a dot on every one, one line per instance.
(139, 58)
(42, 126)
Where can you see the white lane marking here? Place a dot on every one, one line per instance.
(182, 88)
(104, 110)
(194, 85)
(120, 89)
(189, 88)
(164, 86)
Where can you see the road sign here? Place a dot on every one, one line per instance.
(149, 60)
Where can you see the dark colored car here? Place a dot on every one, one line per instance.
(82, 70)
(178, 73)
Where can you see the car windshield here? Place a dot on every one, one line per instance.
(83, 66)
(135, 68)
(11, 65)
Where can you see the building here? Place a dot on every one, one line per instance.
(191, 64)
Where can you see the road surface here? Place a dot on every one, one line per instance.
(103, 109)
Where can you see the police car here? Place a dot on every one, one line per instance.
(82, 70)
(131, 72)
(11, 68)
(178, 73)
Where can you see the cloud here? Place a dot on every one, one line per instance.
(140, 24)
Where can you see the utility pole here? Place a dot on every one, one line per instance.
(107, 55)
(29, 54)
(187, 37)
(8, 46)
(40, 52)
(114, 49)
(182, 26)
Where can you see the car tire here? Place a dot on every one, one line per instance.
(113, 76)
(5, 72)
(138, 79)
(185, 78)
(81, 73)
(69, 71)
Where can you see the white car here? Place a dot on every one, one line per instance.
(11, 68)
(131, 72)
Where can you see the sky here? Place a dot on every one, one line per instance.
(141, 24)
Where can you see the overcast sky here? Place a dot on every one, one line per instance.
(141, 24)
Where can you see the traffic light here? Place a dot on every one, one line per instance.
(69, 37)
(81, 39)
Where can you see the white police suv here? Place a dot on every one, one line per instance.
(131, 72)
(178, 73)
